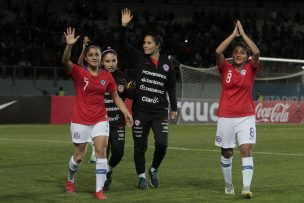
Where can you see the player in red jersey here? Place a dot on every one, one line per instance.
(89, 118)
(236, 124)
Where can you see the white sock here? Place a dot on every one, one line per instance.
(247, 171)
(73, 167)
(93, 147)
(142, 175)
(226, 165)
(152, 169)
(101, 171)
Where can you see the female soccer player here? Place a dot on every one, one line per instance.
(89, 118)
(116, 144)
(236, 123)
(155, 78)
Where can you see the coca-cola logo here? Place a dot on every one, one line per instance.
(274, 114)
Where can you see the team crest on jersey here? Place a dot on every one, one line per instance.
(76, 135)
(243, 72)
(137, 122)
(166, 67)
(102, 82)
(218, 139)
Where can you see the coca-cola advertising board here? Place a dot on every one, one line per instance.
(279, 112)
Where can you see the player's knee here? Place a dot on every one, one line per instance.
(78, 158)
(100, 152)
(246, 150)
(227, 153)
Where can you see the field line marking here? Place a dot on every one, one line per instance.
(255, 152)
(173, 148)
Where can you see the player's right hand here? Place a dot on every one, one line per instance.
(126, 17)
(70, 36)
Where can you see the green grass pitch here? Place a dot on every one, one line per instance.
(34, 162)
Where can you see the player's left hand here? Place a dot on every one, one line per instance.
(173, 115)
(129, 120)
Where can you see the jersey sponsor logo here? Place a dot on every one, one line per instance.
(114, 118)
(76, 135)
(149, 89)
(108, 101)
(2, 106)
(102, 82)
(137, 122)
(243, 72)
(166, 67)
(112, 109)
(150, 100)
(154, 74)
(147, 80)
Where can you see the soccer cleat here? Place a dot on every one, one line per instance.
(69, 187)
(229, 190)
(247, 194)
(100, 195)
(143, 184)
(108, 182)
(154, 182)
(92, 158)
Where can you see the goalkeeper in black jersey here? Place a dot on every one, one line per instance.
(155, 80)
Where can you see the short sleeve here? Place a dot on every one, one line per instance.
(112, 86)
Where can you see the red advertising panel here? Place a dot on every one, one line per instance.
(279, 112)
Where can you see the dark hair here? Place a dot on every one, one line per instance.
(157, 34)
(92, 46)
(107, 50)
(242, 44)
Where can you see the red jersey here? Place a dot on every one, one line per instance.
(236, 97)
(89, 107)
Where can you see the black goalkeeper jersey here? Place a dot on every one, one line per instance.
(153, 84)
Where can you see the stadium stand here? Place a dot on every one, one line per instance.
(31, 36)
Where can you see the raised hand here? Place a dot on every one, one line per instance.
(86, 40)
(70, 36)
(126, 16)
(236, 32)
(240, 27)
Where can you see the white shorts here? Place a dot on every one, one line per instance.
(233, 131)
(85, 133)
